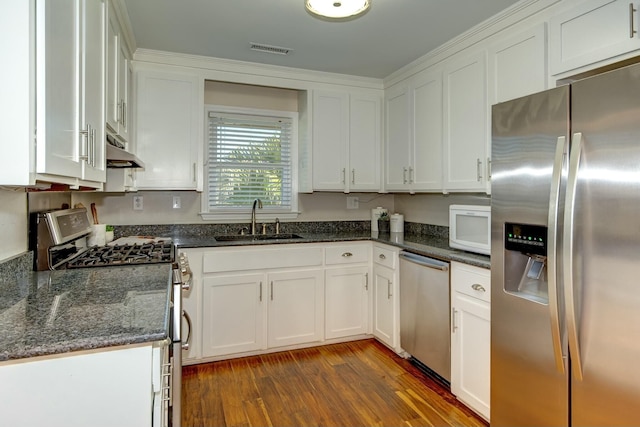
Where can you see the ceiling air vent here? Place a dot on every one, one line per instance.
(270, 49)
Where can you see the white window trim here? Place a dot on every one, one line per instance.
(244, 215)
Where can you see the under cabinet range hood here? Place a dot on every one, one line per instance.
(119, 158)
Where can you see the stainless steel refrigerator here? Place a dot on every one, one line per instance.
(565, 255)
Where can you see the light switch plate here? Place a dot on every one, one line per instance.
(138, 204)
(353, 202)
(177, 203)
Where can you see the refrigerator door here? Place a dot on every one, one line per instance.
(603, 255)
(529, 384)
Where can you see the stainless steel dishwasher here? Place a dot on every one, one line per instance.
(424, 312)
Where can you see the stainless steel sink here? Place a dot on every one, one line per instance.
(249, 237)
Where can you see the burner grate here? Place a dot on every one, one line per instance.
(134, 254)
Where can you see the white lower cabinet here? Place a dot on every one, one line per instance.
(100, 388)
(386, 301)
(346, 301)
(471, 336)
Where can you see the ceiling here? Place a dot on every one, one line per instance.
(390, 35)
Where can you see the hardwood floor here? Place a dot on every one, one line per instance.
(360, 383)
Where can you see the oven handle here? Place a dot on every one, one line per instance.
(185, 344)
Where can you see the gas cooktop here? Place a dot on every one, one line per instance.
(160, 251)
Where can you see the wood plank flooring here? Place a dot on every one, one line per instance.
(359, 383)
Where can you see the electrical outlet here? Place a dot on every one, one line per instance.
(177, 204)
(353, 202)
(138, 204)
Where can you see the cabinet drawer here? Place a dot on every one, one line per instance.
(384, 256)
(264, 258)
(347, 254)
(471, 280)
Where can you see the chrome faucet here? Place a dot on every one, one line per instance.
(253, 215)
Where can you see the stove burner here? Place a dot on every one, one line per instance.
(147, 253)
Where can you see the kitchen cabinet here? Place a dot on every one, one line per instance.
(113, 387)
(386, 304)
(471, 336)
(62, 62)
(592, 31)
(346, 141)
(414, 138)
(119, 80)
(517, 64)
(252, 299)
(347, 290)
(169, 127)
(466, 123)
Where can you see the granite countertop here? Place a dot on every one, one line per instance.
(427, 245)
(51, 312)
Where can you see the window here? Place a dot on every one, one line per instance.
(250, 155)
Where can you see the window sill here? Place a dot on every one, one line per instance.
(245, 217)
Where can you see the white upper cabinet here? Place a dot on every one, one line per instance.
(466, 130)
(53, 94)
(414, 134)
(119, 76)
(346, 141)
(518, 64)
(593, 31)
(169, 128)
(70, 90)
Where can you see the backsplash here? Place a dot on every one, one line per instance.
(338, 227)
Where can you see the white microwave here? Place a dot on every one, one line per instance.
(470, 228)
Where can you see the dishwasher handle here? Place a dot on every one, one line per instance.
(424, 261)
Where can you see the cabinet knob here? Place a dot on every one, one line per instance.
(478, 287)
(382, 256)
(347, 254)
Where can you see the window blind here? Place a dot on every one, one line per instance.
(249, 157)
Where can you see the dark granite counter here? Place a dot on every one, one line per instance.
(44, 313)
(428, 245)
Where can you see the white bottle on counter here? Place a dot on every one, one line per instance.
(397, 223)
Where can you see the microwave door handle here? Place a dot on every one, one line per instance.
(552, 266)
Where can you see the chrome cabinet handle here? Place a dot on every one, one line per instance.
(382, 256)
(453, 320)
(344, 178)
(185, 344)
(85, 148)
(347, 254)
(124, 114)
(272, 290)
(353, 176)
(479, 169)
(632, 30)
(389, 294)
(488, 168)
(478, 287)
(404, 175)
(366, 281)
(410, 175)
(260, 291)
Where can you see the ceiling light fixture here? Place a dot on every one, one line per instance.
(337, 9)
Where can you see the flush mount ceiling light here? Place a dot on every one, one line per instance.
(337, 9)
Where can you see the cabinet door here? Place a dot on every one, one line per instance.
(124, 85)
(364, 143)
(466, 123)
(398, 139)
(471, 352)
(93, 74)
(57, 81)
(384, 306)
(113, 51)
(426, 173)
(517, 65)
(296, 307)
(169, 129)
(233, 314)
(593, 31)
(347, 301)
(330, 139)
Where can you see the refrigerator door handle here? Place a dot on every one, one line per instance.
(554, 307)
(567, 256)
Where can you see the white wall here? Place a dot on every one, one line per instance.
(117, 208)
(13, 223)
(434, 208)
